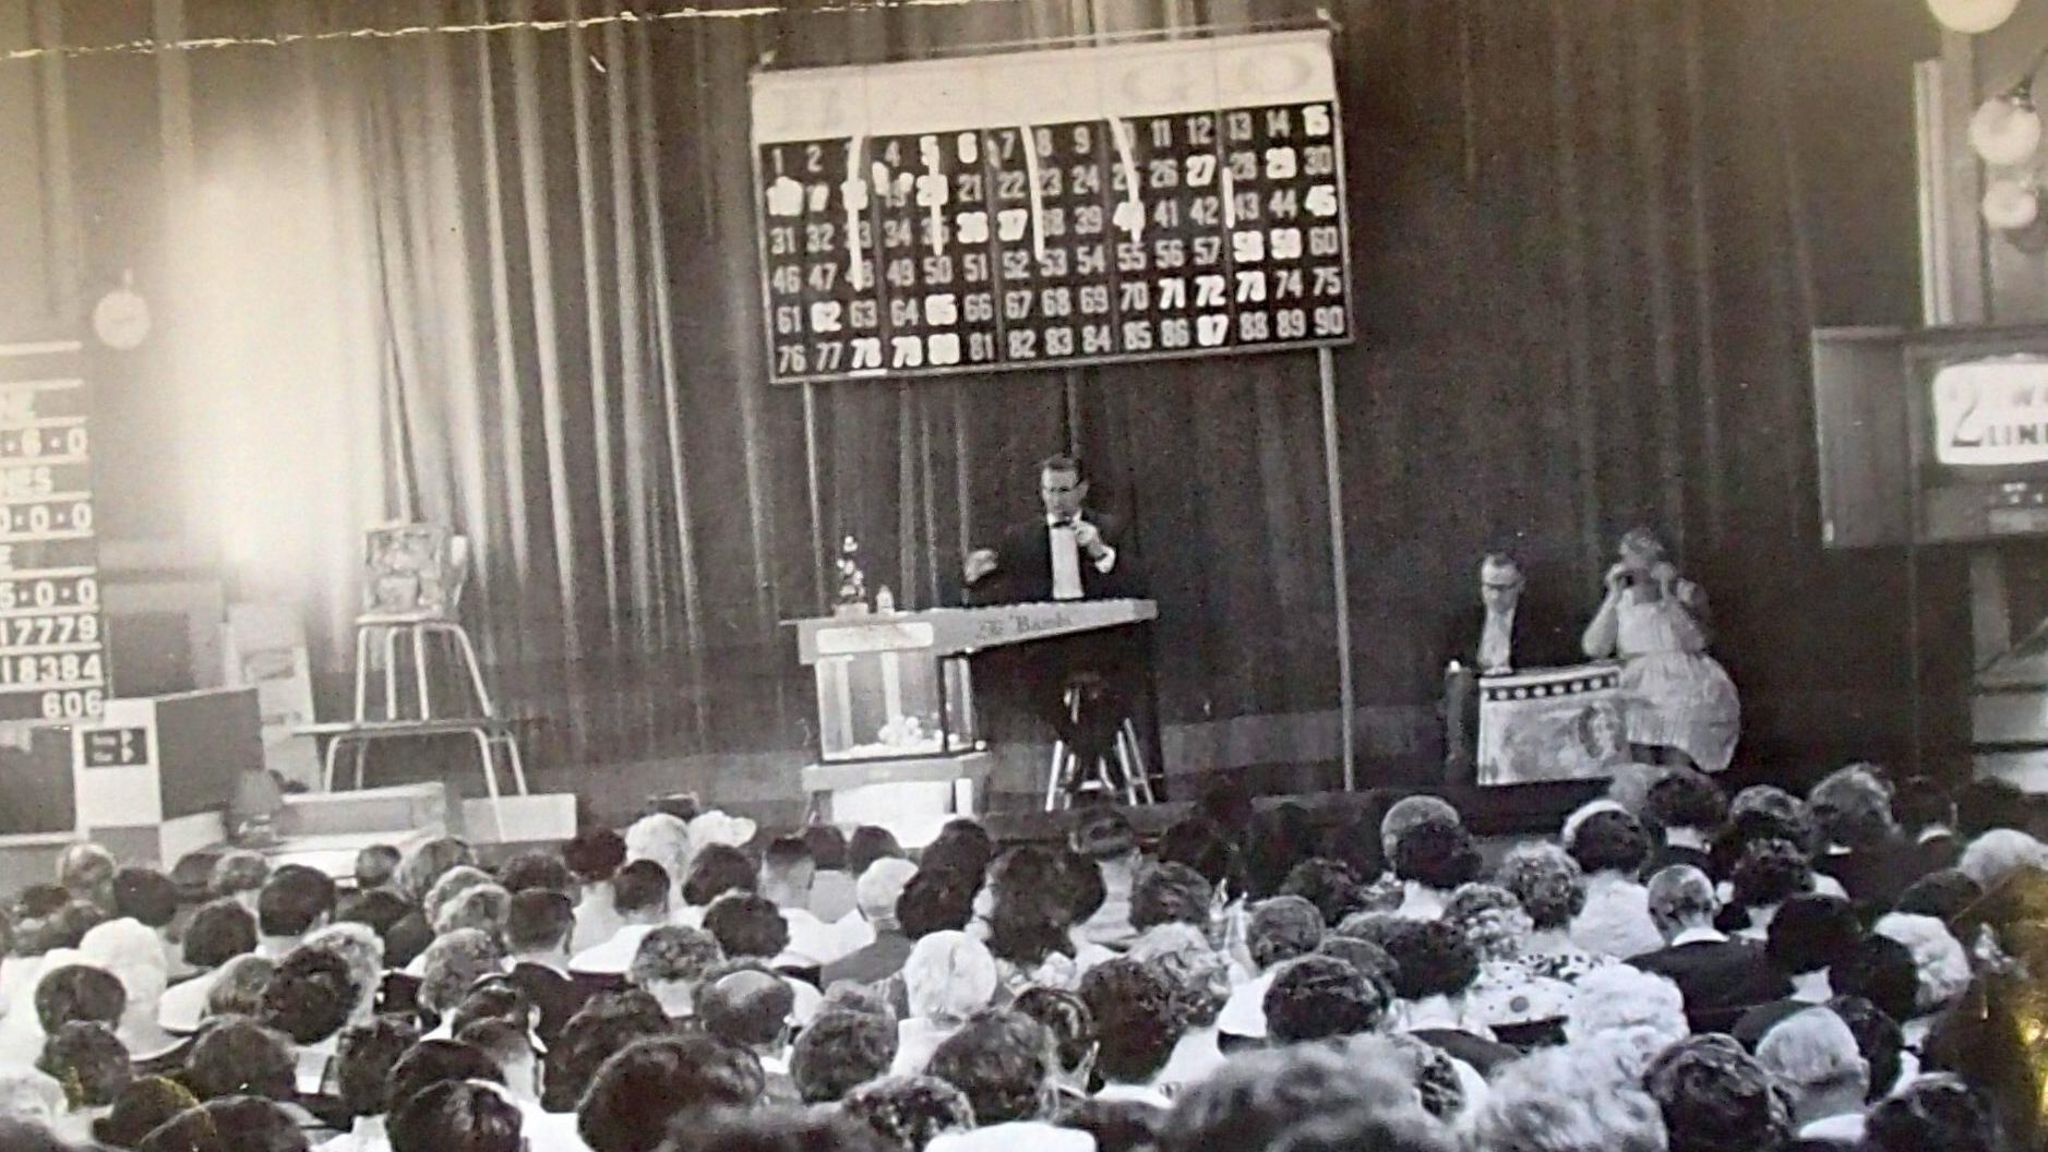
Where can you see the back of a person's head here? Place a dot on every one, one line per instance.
(1258, 1095)
(1815, 1050)
(640, 887)
(948, 976)
(1490, 918)
(537, 871)
(1882, 971)
(1002, 1060)
(1623, 998)
(457, 1116)
(364, 1055)
(1853, 806)
(1548, 882)
(538, 920)
(827, 846)
(376, 866)
(144, 1105)
(218, 932)
(594, 855)
(1330, 885)
(1681, 894)
(1200, 845)
(772, 1130)
(89, 1061)
(1066, 1019)
(450, 887)
(1137, 1017)
(1934, 1112)
(1812, 931)
(839, 1051)
(1283, 928)
(146, 895)
(1320, 998)
(1552, 1102)
(236, 1056)
(640, 1090)
(79, 992)
(237, 872)
(454, 962)
(493, 998)
(432, 1062)
(935, 900)
(877, 890)
(1436, 855)
(238, 987)
(673, 953)
(87, 871)
(310, 996)
(663, 838)
(1684, 798)
(379, 909)
(909, 1112)
(294, 900)
(1716, 1098)
(1369, 958)
(717, 870)
(1946, 894)
(1431, 958)
(1608, 840)
(482, 906)
(1769, 872)
(869, 844)
(745, 1005)
(1939, 961)
(788, 860)
(425, 865)
(229, 1124)
(1920, 803)
(606, 1024)
(747, 925)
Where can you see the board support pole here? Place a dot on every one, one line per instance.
(1340, 576)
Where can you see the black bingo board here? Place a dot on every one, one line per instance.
(53, 659)
(1051, 208)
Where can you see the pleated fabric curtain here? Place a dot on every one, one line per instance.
(1589, 238)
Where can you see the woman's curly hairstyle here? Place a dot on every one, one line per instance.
(1547, 881)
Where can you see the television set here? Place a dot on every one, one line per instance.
(1931, 436)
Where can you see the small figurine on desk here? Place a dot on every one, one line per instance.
(853, 584)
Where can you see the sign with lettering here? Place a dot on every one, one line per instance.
(53, 661)
(1052, 208)
(1991, 413)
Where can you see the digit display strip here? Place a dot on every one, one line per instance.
(1052, 208)
(53, 660)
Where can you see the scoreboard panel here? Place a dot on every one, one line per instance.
(1052, 208)
(53, 660)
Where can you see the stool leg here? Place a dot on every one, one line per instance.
(518, 766)
(476, 675)
(419, 670)
(1056, 776)
(362, 758)
(362, 672)
(483, 744)
(391, 673)
(327, 761)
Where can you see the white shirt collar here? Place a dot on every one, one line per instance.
(1703, 934)
(1932, 832)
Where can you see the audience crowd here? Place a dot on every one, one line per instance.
(1675, 971)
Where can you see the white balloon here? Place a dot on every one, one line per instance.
(1972, 16)
(2005, 131)
(2010, 205)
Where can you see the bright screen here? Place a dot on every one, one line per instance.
(1991, 413)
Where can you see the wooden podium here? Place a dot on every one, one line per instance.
(898, 744)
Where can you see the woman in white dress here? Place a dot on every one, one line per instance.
(1681, 702)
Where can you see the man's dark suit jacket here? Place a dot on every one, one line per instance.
(1542, 636)
(1023, 572)
(1720, 979)
(1873, 877)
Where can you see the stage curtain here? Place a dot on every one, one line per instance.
(1589, 238)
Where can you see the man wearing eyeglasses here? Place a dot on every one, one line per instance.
(1506, 631)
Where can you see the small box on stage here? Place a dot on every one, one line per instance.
(153, 776)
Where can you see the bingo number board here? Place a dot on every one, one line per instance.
(1051, 208)
(53, 660)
